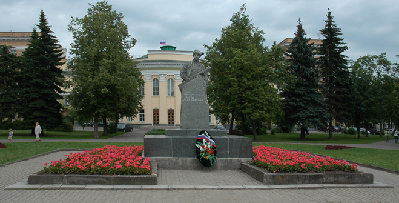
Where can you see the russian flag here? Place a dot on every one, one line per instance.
(162, 42)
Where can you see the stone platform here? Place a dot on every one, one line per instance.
(228, 146)
(336, 177)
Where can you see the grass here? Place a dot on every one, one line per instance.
(26, 134)
(319, 138)
(156, 132)
(22, 150)
(375, 157)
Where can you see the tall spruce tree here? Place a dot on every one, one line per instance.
(240, 86)
(42, 77)
(335, 74)
(303, 103)
(105, 80)
(9, 78)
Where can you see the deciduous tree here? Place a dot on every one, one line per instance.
(105, 80)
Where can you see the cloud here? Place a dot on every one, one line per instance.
(369, 27)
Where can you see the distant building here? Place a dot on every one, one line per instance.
(162, 98)
(285, 44)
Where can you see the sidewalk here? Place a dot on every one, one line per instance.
(16, 172)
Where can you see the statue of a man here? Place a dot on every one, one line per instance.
(194, 69)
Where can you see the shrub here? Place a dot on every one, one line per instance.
(351, 131)
(112, 128)
(344, 131)
(275, 130)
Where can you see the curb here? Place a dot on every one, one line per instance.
(24, 186)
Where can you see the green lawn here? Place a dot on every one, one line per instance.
(319, 138)
(22, 150)
(375, 157)
(25, 134)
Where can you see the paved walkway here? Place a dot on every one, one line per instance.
(16, 172)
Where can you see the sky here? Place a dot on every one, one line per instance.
(369, 27)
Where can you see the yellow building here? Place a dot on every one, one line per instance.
(162, 98)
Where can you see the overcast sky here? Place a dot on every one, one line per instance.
(368, 27)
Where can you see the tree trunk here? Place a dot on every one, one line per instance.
(116, 121)
(231, 124)
(381, 128)
(96, 126)
(330, 129)
(302, 136)
(358, 130)
(255, 131)
(105, 126)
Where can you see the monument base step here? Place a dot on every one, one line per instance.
(194, 164)
(194, 132)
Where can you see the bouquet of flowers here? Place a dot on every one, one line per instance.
(205, 149)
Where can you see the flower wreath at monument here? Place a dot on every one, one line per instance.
(205, 149)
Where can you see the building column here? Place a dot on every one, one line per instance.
(147, 104)
(163, 109)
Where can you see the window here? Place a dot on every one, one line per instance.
(171, 87)
(142, 90)
(210, 118)
(129, 119)
(141, 115)
(155, 87)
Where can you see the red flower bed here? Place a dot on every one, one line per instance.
(277, 160)
(335, 147)
(109, 160)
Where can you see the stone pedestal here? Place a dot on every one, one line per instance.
(230, 146)
(194, 132)
(194, 105)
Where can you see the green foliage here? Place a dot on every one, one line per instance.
(273, 131)
(42, 77)
(240, 87)
(303, 103)
(375, 87)
(9, 78)
(351, 131)
(335, 74)
(106, 82)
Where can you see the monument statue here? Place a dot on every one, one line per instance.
(193, 70)
(195, 108)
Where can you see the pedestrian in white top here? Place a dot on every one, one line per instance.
(38, 130)
(395, 134)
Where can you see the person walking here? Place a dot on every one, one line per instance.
(38, 131)
(395, 134)
(10, 134)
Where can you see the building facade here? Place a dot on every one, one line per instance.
(161, 102)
